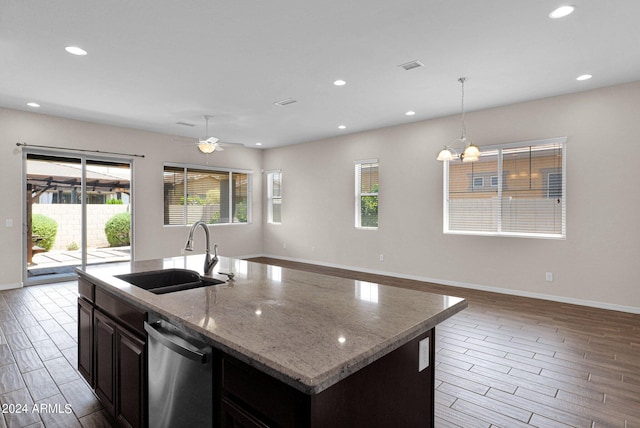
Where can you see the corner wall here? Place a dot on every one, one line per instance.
(595, 265)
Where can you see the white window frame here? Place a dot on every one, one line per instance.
(230, 171)
(497, 149)
(271, 198)
(358, 186)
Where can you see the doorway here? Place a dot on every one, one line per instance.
(77, 213)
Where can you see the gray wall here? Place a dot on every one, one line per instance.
(596, 263)
(151, 238)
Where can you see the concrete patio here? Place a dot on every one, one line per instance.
(55, 262)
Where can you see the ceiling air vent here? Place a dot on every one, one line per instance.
(286, 102)
(186, 124)
(411, 65)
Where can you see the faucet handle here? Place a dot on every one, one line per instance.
(215, 250)
(230, 275)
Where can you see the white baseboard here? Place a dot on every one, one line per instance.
(551, 297)
(10, 286)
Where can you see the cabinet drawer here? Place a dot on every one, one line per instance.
(233, 416)
(125, 313)
(271, 399)
(86, 289)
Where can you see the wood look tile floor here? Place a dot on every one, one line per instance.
(509, 361)
(503, 362)
(39, 383)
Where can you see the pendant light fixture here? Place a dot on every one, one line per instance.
(470, 152)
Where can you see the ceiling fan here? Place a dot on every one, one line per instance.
(209, 144)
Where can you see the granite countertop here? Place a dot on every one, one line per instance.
(308, 330)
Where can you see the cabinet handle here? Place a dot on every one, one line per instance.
(174, 342)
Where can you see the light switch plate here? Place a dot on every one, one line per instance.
(423, 358)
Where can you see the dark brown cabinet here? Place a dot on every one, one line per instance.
(130, 358)
(85, 339)
(391, 391)
(112, 353)
(104, 346)
(112, 356)
(234, 416)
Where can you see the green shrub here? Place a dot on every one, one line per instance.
(46, 229)
(114, 201)
(215, 218)
(117, 229)
(241, 212)
(72, 246)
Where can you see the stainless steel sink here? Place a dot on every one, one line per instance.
(168, 280)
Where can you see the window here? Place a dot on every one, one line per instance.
(554, 185)
(211, 195)
(274, 197)
(526, 197)
(366, 201)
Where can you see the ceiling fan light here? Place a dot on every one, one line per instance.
(445, 155)
(206, 147)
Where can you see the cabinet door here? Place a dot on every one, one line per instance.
(85, 340)
(104, 331)
(130, 379)
(233, 416)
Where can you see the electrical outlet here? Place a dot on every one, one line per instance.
(284, 245)
(381, 257)
(8, 222)
(549, 276)
(423, 354)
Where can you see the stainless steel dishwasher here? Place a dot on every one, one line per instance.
(180, 377)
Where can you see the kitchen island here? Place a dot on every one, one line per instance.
(292, 348)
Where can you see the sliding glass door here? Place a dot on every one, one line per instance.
(77, 213)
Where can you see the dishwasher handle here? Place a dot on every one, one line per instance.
(175, 342)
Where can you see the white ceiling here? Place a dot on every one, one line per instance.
(153, 63)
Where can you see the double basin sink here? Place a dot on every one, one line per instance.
(168, 280)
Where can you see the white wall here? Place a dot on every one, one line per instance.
(151, 238)
(596, 264)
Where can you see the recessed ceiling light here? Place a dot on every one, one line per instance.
(342, 127)
(410, 113)
(561, 12)
(339, 82)
(584, 77)
(75, 50)
(258, 144)
(35, 105)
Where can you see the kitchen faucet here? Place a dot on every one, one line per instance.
(209, 262)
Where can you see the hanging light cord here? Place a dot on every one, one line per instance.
(464, 129)
(78, 150)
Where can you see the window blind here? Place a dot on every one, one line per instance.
(366, 173)
(274, 197)
(513, 190)
(199, 194)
